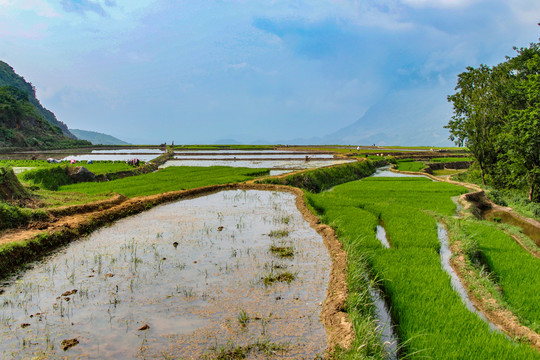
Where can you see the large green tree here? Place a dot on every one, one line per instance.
(497, 116)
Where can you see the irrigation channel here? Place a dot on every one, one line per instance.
(237, 269)
(388, 335)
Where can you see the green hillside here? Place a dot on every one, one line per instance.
(97, 138)
(22, 126)
(8, 77)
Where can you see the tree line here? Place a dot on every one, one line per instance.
(497, 116)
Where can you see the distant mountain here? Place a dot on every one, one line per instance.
(22, 126)
(402, 118)
(8, 77)
(97, 138)
(412, 117)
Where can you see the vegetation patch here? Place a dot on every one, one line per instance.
(282, 251)
(281, 276)
(168, 179)
(410, 165)
(506, 265)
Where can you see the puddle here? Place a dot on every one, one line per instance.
(446, 254)
(388, 336)
(381, 236)
(191, 270)
(502, 216)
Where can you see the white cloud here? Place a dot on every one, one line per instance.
(439, 3)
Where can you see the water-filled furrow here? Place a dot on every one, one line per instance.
(384, 320)
(446, 254)
(381, 236)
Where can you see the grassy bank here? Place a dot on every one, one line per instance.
(325, 178)
(432, 321)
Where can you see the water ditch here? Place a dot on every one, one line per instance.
(193, 278)
(458, 287)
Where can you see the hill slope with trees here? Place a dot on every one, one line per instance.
(8, 77)
(21, 126)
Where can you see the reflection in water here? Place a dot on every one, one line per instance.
(192, 271)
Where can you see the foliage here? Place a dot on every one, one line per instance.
(49, 178)
(21, 125)
(497, 116)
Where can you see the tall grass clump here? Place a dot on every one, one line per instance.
(49, 178)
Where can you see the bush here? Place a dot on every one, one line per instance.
(48, 178)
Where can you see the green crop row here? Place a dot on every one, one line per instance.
(512, 269)
(167, 179)
(431, 320)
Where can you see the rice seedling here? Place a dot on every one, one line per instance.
(282, 251)
(279, 233)
(432, 321)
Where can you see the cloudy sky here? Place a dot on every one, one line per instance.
(149, 71)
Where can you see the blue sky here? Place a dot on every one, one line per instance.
(149, 71)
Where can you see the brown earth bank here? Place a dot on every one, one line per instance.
(475, 203)
(72, 222)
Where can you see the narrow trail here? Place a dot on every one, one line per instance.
(492, 310)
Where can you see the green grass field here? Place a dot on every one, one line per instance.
(167, 179)
(432, 321)
(511, 269)
(410, 165)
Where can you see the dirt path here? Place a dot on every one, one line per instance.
(74, 221)
(494, 312)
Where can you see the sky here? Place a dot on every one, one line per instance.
(260, 71)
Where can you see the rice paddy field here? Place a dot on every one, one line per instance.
(403, 301)
(431, 320)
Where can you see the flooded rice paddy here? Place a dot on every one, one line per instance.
(231, 271)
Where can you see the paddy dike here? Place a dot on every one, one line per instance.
(72, 222)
